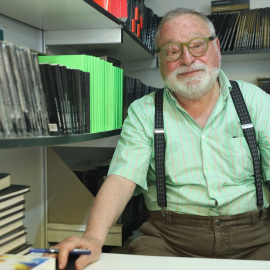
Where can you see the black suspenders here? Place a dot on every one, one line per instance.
(160, 144)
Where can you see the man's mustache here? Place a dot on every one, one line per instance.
(194, 67)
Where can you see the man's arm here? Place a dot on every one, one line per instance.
(110, 202)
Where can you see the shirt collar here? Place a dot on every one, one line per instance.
(225, 86)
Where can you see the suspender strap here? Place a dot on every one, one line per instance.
(249, 133)
(159, 141)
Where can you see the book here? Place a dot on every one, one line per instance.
(11, 226)
(12, 235)
(229, 5)
(58, 231)
(228, 35)
(119, 9)
(11, 202)
(12, 191)
(264, 83)
(4, 180)
(10, 218)
(105, 4)
(13, 243)
(26, 262)
(21, 250)
(12, 209)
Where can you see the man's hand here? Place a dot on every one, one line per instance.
(68, 244)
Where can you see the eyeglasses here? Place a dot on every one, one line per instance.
(197, 47)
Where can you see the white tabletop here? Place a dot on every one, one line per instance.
(111, 261)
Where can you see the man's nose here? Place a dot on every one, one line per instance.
(187, 58)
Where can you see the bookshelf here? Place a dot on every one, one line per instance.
(81, 26)
(78, 26)
(54, 140)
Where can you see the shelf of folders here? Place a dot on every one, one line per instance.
(43, 99)
(243, 30)
(88, 91)
(23, 110)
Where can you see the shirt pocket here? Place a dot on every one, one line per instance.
(239, 160)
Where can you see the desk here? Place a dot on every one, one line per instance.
(110, 261)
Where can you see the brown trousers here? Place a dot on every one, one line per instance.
(243, 236)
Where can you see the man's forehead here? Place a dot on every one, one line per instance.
(184, 28)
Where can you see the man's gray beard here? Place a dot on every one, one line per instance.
(192, 88)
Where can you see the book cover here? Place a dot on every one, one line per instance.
(264, 83)
(105, 4)
(59, 96)
(21, 250)
(13, 190)
(12, 201)
(26, 262)
(12, 235)
(7, 114)
(228, 35)
(233, 34)
(11, 226)
(12, 209)
(10, 218)
(48, 78)
(67, 99)
(229, 5)
(13, 243)
(4, 180)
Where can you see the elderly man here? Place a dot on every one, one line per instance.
(211, 199)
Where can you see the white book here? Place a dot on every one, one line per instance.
(16, 261)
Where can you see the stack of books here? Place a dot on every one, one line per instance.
(12, 229)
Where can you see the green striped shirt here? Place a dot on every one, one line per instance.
(209, 171)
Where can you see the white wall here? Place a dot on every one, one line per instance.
(22, 34)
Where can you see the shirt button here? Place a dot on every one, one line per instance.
(203, 136)
(218, 222)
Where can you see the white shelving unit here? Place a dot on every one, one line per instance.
(78, 26)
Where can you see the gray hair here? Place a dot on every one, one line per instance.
(182, 11)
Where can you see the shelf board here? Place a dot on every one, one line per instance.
(246, 55)
(57, 15)
(54, 140)
(64, 18)
(118, 43)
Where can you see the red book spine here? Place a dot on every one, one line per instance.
(133, 25)
(138, 30)
(141, 21)
(136, 17)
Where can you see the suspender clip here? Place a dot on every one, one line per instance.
(260, 210)
(163, 211)
(159, 130)
(245, 126)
